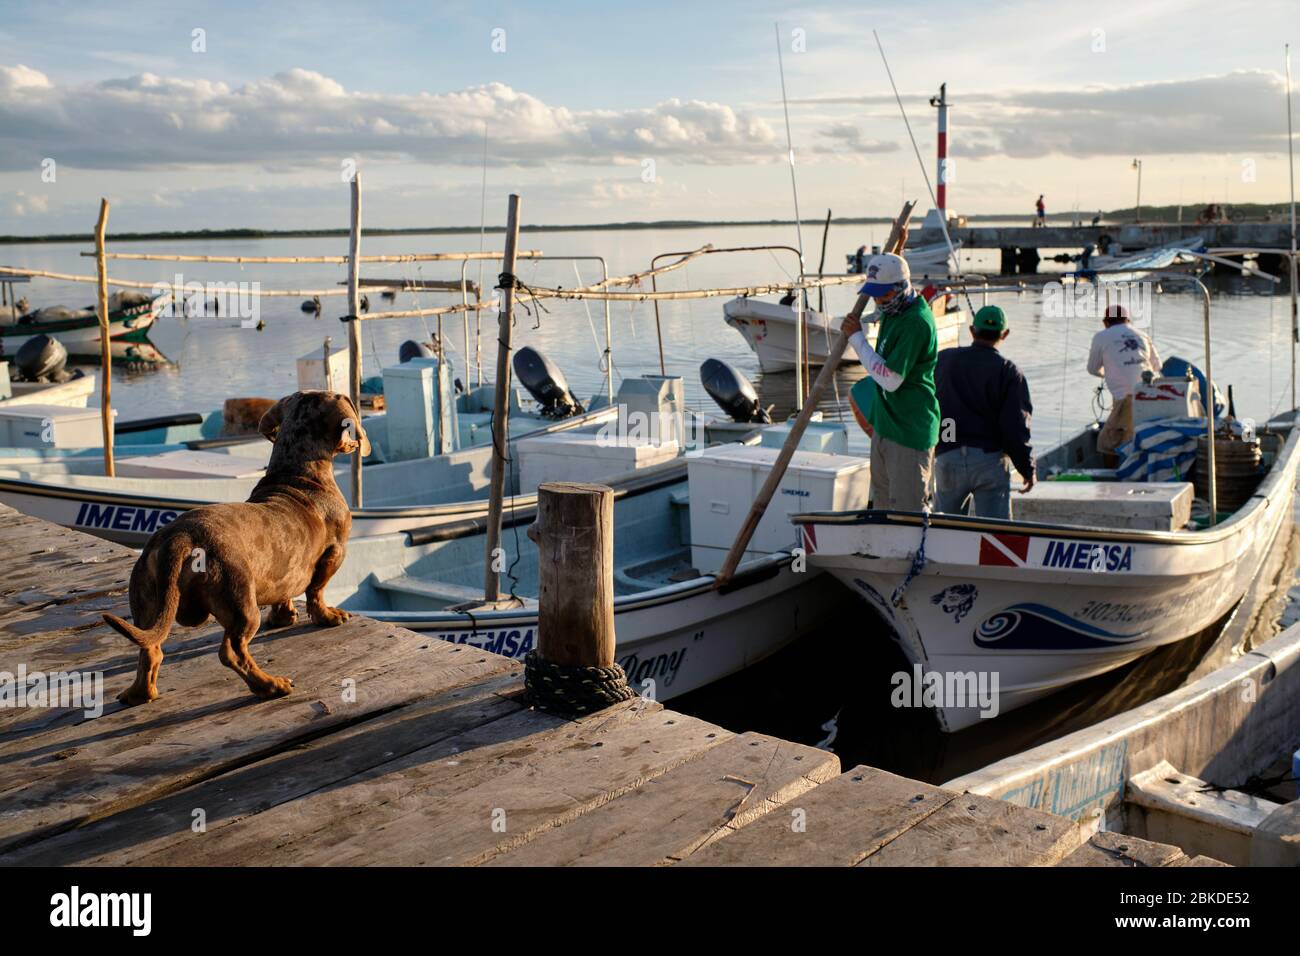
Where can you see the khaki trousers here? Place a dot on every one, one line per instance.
(900, 476)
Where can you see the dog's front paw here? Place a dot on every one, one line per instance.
(328, 616)
(133, 697)
(273, 687)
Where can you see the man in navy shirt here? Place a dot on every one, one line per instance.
(984, 414)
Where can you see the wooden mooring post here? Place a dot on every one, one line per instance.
(572, 670)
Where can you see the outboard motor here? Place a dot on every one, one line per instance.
(41, 359)
(411, 349)
(546, 383)
(733, 392)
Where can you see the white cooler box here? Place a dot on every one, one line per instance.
(51, 426)
(585, 457)
(1143, 505)
(725, 480)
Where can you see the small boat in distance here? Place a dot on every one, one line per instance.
(130, 314)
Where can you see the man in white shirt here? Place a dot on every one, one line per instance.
(1121, 354)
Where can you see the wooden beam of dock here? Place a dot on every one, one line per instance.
(397, 748)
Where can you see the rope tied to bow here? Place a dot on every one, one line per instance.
(570, 690)
(918, 562)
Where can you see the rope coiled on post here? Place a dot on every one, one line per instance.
(570, 690)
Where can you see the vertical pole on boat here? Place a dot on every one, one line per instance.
(329, 373)
(609, 337)
(1208, 401)
(1290, 147)
(824, 378)
(354, 326)
(105, 349)
(501, 407)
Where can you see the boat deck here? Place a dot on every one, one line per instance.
(399, 749)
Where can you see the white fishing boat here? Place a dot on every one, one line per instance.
(129, 317)
(933, 258)
(1181, 252)
(769, 328)
(1086, 577)
(673, 526)
(155, 483)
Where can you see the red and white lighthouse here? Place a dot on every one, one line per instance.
(941, 179)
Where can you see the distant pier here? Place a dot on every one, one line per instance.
(1022, 246)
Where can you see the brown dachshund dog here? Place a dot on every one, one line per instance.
(227, 560)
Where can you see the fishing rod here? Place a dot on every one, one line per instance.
(943, 223)
(799, 321)
(1290, 148)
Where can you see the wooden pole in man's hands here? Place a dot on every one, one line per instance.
(894, 244)
(501, 408)
(105, 349)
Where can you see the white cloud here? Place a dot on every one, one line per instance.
(148, 121)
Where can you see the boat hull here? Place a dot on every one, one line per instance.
(672, 641)
(80, 336)
(769, 329)
(1018, 606)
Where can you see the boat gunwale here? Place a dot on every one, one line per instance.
(1036, 529)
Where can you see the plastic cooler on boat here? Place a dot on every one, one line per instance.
(51, 426)
(585, 457)
(829, 437)
(1130, 505)
(311, 371)
(724, 481)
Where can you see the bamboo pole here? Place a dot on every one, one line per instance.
(894, 244)
(501, 407)
(354, 328)
(105, 349)
(334, 260)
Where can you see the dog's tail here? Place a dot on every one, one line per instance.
(166, 574)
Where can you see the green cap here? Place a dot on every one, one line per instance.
(992, 318)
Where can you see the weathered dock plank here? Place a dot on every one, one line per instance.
(840, 823)
(731, 785)
(1107, 848)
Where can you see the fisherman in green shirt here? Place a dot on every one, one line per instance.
(896, 403)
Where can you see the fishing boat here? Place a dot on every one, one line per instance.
(167, 474)
(926, 258)
(770, 327)
(1086, 577)
(1181, 253)
(130, 315)
(673, 525)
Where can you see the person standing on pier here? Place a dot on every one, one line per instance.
(1120, 354)
(896, 403)
(1040, 220)
(984, 402)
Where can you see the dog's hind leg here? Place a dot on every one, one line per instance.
(241, 623)
(145, 687)
(321, 614)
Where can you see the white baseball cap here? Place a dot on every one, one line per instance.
(884, 273)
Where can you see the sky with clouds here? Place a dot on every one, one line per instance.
(190, 116)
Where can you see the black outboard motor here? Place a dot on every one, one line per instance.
(546, 383)
(732, 392)
(411, 349)
(41, 359)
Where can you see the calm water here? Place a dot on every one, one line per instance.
(816, 687)
(215, 359)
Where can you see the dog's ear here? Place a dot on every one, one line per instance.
(270, 423)
(351, 434)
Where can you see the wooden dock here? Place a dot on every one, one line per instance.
(399, 749)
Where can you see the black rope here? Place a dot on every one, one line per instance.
(572, 691)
